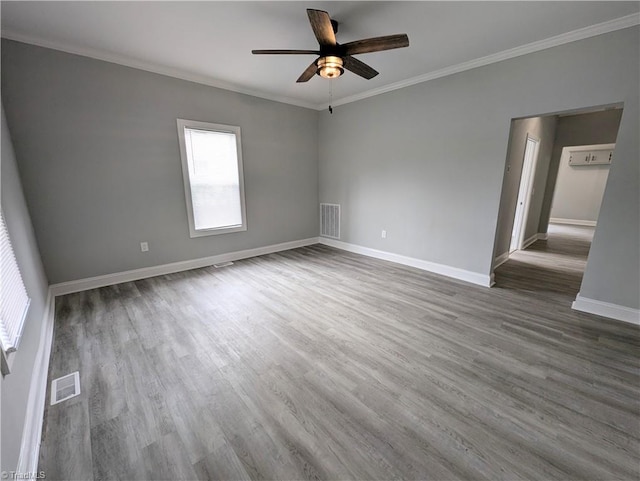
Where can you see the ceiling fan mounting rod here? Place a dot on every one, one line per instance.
(336, 50)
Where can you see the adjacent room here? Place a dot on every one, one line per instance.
(334, 240)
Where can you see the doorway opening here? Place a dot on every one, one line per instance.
(551, 195)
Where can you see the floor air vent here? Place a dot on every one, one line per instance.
(330, 220)
(65, 387)
(223, 264)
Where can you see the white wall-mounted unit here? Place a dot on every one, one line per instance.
(580, 184)
(580, 155)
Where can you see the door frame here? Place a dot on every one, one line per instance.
(525, 192)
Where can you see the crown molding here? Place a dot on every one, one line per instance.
(568, 37)
(153, 68)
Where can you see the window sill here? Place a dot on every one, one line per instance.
(222, 230)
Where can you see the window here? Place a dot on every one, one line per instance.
(14, 301)
(213, 179)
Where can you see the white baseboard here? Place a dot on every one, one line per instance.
(504, 257)
(605, 309)
(588, 223)
(501, 259)
(533, 238)
(32, 431)
(454, 272)
(529, 241)
(137, 274)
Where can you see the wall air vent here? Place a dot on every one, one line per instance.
(65, 387)
(330, 220)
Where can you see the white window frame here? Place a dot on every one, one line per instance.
(14, 299)
(228, 129)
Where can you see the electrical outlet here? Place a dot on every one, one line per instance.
(144, 246)
(384, 234)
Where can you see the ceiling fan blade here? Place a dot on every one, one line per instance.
(285, 52)
(322, 28)
(308, 73)
(376, 44)
(359, 68)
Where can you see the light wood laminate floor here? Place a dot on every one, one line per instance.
(320, 364)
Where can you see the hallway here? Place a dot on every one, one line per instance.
(554, 266)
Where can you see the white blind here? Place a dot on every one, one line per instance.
(214, 178)
(14, 301)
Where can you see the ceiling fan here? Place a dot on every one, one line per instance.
(333, 57)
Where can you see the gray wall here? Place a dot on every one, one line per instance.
(578, 193)
(582, 129)
(543, 129)
(98, 151)
(613, 266)
(426, 162)
(14, 387)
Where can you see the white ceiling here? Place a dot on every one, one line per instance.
(211, 42)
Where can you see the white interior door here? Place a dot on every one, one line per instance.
(524, 193)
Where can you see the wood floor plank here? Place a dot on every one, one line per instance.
(71, 456)
(317, 363)
(115, 450)
(221, 465)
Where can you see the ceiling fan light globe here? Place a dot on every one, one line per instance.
(330, 67)
(331, 72)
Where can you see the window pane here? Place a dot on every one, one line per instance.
(214, 178)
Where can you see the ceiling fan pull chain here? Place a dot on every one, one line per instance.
(330, 95)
